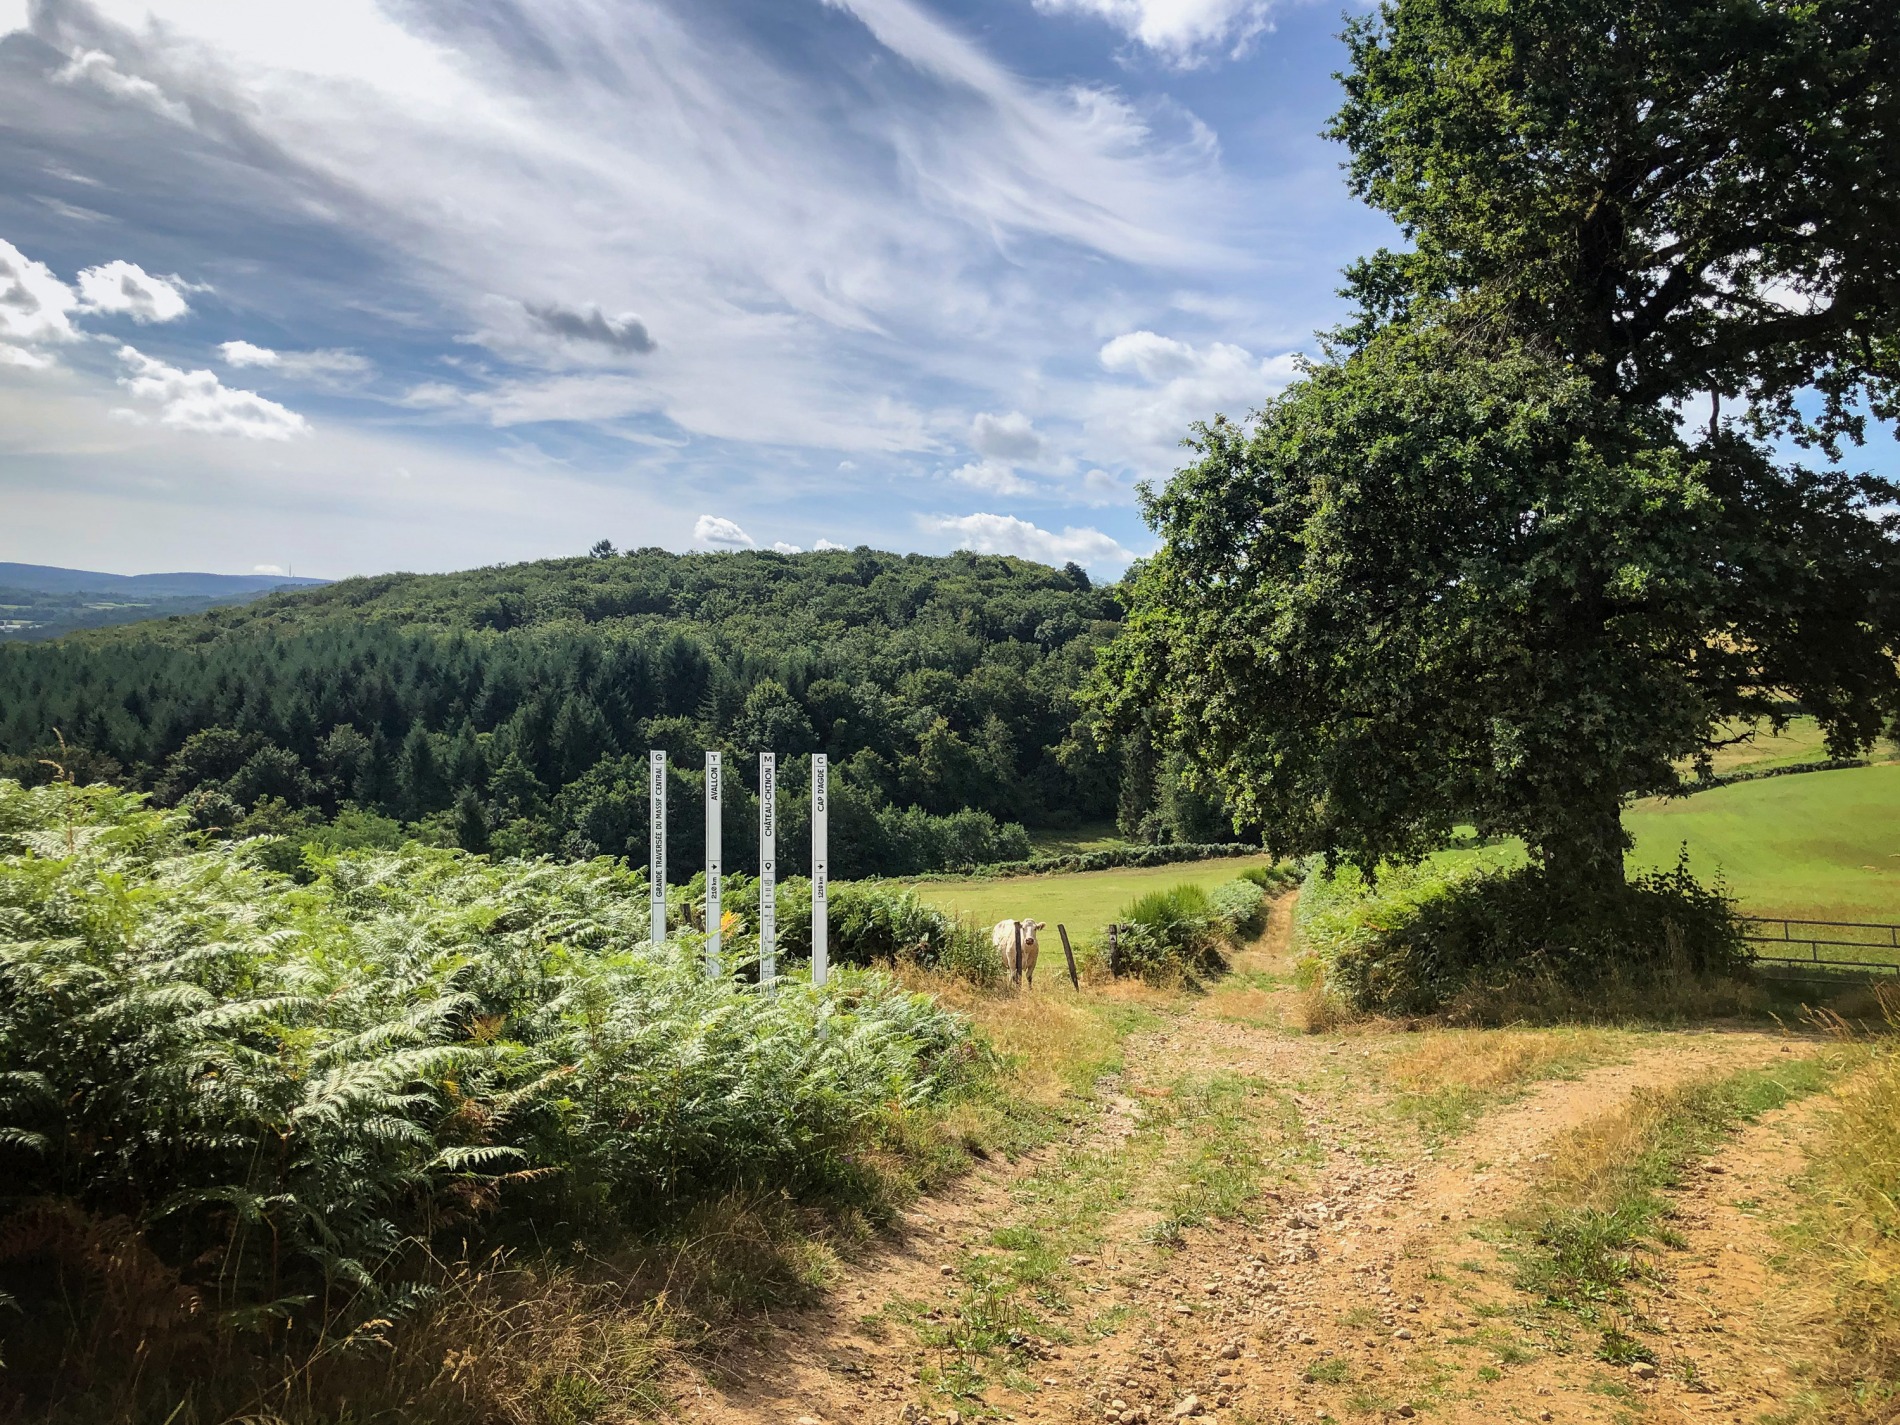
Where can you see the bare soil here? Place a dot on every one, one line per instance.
(1364, 1278)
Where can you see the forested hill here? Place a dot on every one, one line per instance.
(512, 708)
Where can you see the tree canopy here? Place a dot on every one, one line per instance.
(1477, 567)
(512, 708)
(1680, 197)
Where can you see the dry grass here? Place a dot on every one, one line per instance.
(1448, 1078)
(1596, 1217)
(1666, 995)
(1487, 1060)
(1589, 1168)
(547, 1338)
(1319, 1009)
(1850, 1242)
(1053, 1043)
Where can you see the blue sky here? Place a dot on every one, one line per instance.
(424, 284)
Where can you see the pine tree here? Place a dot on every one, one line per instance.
(471, 822)
(420, 785)
(580, 737)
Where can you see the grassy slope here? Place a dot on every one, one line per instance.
(1821, 844)
(1824, 845)
(1800, 741)
(1084, 902)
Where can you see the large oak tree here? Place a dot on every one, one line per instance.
(1530, 536)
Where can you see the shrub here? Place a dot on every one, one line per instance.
(869, 922)
(1176, 934)
(1425, 938)
(229, 1102)
(1240, 910)
(1281, 876)
(1169, 934)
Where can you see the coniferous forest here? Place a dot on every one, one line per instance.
(511, 709)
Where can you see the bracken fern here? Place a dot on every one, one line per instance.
(231, 1102)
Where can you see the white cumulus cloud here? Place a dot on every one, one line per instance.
(1179, 384)
(1182, 32)
(1005, 534)
(23, 358)
(199, 401)
(716, 532)
(824, 544)
(267, 568)
(1009, 437)
(326, 365)
(35, 306)
(242, 353)
(126, 289)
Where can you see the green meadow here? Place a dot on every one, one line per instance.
(1822, 845)
(1084, 901)
(1812, 845)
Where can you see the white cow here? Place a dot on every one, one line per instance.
(1003, 937)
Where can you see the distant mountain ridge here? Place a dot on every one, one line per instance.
(41, 601)
(50, 579)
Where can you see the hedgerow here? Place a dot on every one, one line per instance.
(1429, 938)
(1109, 858)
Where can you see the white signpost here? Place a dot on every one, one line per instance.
(768, 868)
(656, 842)
(713, 790)
(820, 806)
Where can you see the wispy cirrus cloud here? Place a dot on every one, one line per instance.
(324, 366)
(101, 70)
(1181, 32)
(702, 253)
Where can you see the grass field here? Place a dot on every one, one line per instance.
(1076, 840)
(1818, 844)
(1800, 741)
(1085, 901)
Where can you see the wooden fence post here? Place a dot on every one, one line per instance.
(1069, 955)
(1019, 952)
(1114, 952)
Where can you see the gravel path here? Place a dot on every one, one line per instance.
(1359, 1281)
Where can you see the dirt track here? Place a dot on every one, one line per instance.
(1360, 1278)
